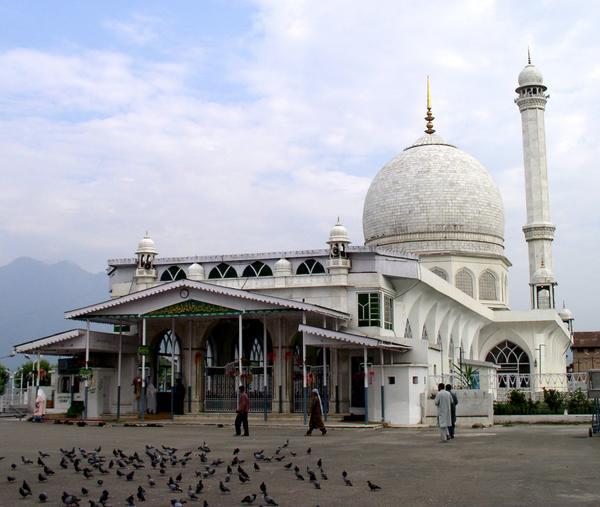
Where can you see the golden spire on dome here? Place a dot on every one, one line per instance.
(528, 56)
(429, 117)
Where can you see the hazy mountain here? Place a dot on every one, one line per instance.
(34, 296)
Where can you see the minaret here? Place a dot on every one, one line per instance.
(539, 230)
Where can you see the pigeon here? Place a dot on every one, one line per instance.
(43, 497)
(347, 481)
(84, 491)
(130, 501)
(308, 451)
(10, 478)
(311, 475)
(87, 473)
(173, 486)
(129, 476)
(299, 476)
(235, 451)
(288, 466)
(40, 462)
(13, 466)
(320, 463)
(178, 477)
(293, 453)
(243, 478)
(323, 475)
(99, 482)
(199, 487)
(316, 484)
(26, 486)
(24, 492)
(373, 487)
(263, 488)
(140, 495)
(249, 499)
(223, 488)
(48, 471)
(269, 500)
(191, 494)
(256, 467)
(103, 496)
(42, 477)
(151, 482)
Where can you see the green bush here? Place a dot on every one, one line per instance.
(75, 410)
(578, 403)
(554, 400)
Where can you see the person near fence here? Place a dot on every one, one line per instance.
(40, 406)
(452, 410)
(316, 414)
(443, 402)
(242, 413)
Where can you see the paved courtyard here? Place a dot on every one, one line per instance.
(520, 465)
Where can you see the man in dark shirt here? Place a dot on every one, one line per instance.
(242, 413)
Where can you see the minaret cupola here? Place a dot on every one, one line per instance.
(145, 273)
(338, 242)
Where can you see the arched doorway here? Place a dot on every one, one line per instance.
(221, 366)
(167, 367)
(514, 364)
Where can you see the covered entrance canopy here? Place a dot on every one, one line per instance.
(193, 301)
(328, 338)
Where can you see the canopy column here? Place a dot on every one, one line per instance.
(173, 341)
(189, 375)
(366, 383)
(279, 364)
(119, 364)
(304, 383)
(382, 386)
(143, 393)
(265, 382)
(87, 360)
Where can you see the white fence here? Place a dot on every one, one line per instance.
(500, 384)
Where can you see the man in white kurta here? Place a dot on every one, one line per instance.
(443, 402)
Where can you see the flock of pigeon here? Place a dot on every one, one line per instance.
(160, 468)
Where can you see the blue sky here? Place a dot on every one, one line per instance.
(250, 126)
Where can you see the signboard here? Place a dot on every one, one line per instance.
(144, 350)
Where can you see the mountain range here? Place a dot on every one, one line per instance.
(34, 296)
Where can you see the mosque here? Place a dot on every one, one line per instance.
(373, 327)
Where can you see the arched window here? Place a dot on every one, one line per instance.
(464, 282)
(172, 273)
(222, 271)
(407, 330)
(168, 361)
(510, 357)
(256, 353)
(424, 335)
(310, 267)
(440, 272)
(257, 268)
(487, 286)
(543, 299)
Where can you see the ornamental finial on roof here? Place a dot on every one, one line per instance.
(528, 56)
(429, 117)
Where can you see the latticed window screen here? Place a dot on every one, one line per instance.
(369, 309)
(257, 268)
(407, 330)
(256, 354)
(310, 267)
(464, 282)
(487, 286)
(440, 272)
(222, 271)
(172, 273)
(388, 312)
(510, 357)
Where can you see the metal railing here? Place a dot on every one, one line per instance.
(500, 384)
(221, 389)
(11, 404)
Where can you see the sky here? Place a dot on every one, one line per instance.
(240, 126)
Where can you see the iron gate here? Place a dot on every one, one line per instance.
(221, 388)
(314, 381)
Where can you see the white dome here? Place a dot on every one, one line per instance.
(565, 314)
(196, 272)
(146, 246)
(531, 76)
(542, 276)
(434, 198)
(283, 267)
(338, 234)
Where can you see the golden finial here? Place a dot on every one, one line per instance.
(429, 117)
(528, 56)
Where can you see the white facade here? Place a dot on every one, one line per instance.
(426, 297)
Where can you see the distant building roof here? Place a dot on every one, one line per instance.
(586, 339)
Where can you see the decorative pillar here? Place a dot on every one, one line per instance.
(304, 383)
(143, 393)
(119, 370)
(265, 383)
(87, 360)
(366, 383)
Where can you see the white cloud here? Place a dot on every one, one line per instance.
(99, 146)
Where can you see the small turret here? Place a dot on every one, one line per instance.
(338, 242)
(145, 274)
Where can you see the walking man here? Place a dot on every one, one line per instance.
(242, 413)
(443, 402)
(452, 410)
(316, 414)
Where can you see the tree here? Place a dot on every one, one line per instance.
(29, 370)
(3, 378)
